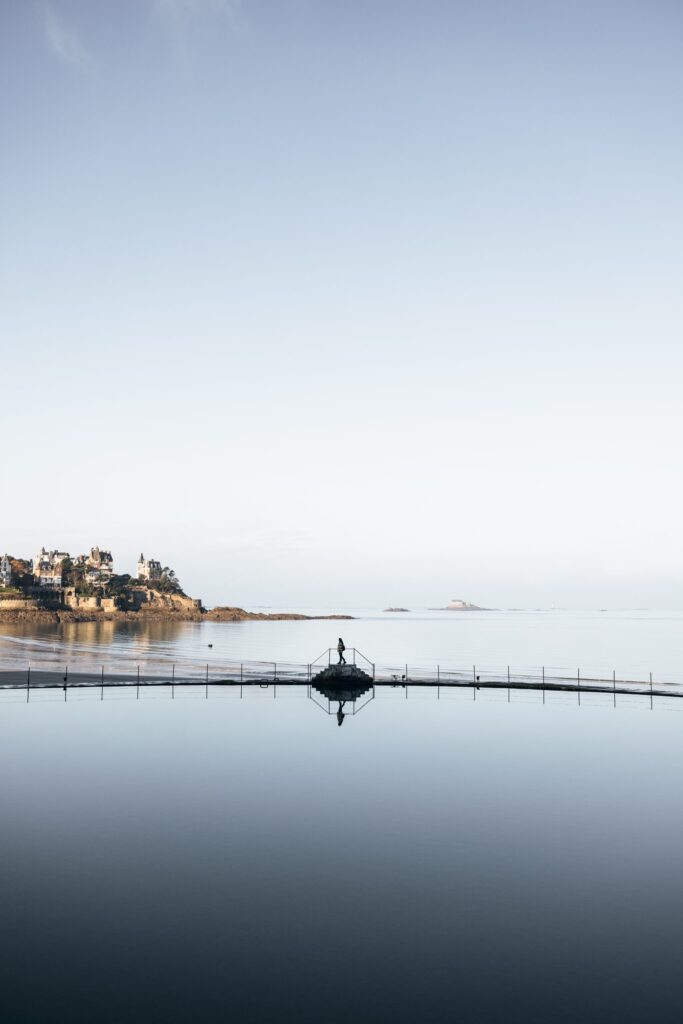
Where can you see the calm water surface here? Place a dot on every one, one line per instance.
(249, 860)
(631, 643)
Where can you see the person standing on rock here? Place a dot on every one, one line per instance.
(340, 650)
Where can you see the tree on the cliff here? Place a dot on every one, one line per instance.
(22, 577)
(73, 575)
(119, 586)
(169, 583)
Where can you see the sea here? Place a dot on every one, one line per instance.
(215, 855)
(598, 643)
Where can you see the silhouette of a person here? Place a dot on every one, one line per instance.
(340, 650)
(340, 714)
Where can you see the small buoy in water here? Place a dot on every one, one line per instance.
(210, 645)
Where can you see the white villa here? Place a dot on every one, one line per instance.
(5, 571)
(148, 569)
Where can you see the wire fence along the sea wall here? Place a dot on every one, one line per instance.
(82, 674)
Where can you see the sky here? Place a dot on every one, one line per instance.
(347, 303)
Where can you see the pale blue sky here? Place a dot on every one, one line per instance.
(347, 303)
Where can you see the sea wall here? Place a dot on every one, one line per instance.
(94, 603)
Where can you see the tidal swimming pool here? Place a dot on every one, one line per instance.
(193, 860)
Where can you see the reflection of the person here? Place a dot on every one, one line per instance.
(343, 696)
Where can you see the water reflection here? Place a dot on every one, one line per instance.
(349, 699)
(104, 640)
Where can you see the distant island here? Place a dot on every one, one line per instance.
(397, 609)
(55, 587)
(457, 605)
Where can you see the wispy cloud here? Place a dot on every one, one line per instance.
(181, 10)
(180, 16)
(64, 42)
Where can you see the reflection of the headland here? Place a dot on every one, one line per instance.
(104, 639)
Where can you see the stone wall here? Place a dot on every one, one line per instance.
(18, 604)
(67, 605)
(93, 603)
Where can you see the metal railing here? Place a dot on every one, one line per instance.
(84, 674)
(357, 658)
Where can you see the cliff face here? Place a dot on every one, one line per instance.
(151, 602)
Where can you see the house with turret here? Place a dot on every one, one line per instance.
(99, 567)
(47, 567)
(148, 569)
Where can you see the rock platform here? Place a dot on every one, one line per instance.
(342, 682)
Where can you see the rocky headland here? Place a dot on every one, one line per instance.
(229, 614)
(54, 587)
(175, 611)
